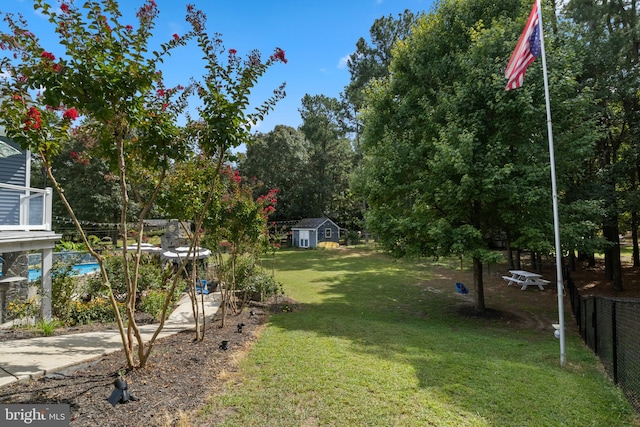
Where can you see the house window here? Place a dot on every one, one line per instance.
(327, 233)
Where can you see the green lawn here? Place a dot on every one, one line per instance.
(370, 347)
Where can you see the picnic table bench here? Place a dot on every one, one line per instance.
(526, 278)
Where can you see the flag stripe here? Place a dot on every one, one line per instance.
(522, 55)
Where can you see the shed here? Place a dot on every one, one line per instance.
(307, 233)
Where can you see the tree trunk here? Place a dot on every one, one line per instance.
(572, 260)
(533, 261)
(510, 255)
(634, 239)
(478, 285)
(613, 266)
(634, 221)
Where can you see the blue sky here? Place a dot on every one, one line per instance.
(316, 36)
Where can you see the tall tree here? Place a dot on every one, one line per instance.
(91, 186)
(611, 72)
(450, 158)
(330, 157)
(371, 61)
(280, 159)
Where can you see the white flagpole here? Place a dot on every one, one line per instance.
(556, 223)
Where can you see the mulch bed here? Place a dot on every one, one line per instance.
(180, 376)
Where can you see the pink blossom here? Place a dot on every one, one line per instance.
(64, 7)
(71, 114)
(176, 37)
(278, 55)
(48, 55)
(33, 120)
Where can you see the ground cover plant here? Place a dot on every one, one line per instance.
(374, 341)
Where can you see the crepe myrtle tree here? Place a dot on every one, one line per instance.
(244, 225)
(226, 115)
(231, 215)
(223, 123)
(185, 194)
(107, 77)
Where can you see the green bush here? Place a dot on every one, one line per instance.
(63, 287)
(150, 276)
(152, 301)
(23, 311)
(261, 286)
(353, 238)
(254, 280)
(83, 313)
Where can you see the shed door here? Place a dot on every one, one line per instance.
(304, 238)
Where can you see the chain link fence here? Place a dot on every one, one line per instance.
(610, 327)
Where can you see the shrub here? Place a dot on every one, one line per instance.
(353, 238)
(152, 302)
(96, 310)
(23, 311)
(254, 280)
(261, 286)
(150, 276)
(63, 287)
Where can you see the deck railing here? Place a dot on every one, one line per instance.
(24, 208)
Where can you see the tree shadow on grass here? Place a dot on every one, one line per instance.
(477, 363)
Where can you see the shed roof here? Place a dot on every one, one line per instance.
(312, 223)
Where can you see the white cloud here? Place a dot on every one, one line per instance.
(343, 62)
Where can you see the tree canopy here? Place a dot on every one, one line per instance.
(451, 160)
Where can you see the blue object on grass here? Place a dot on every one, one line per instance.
(461, 288)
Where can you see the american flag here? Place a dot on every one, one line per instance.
(526, 51)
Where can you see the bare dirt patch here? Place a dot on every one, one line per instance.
(531, 308)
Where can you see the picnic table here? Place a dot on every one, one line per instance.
(526, 278)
